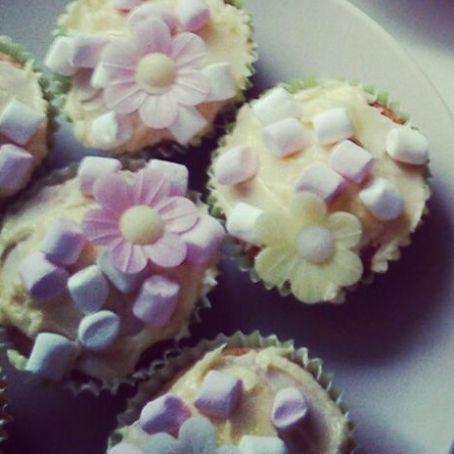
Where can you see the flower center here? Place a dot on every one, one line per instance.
(155, 71)
(141, 225)
(316, 244)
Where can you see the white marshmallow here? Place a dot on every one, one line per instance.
(242, 221)
(15, 165)
(407, 145)
(19, 122)
(111, 130)
(284, 137)
(89, 289)
(93, 167)
(193, 14)
(126, 5)
(51, 356)
(177, 174)
(86, 50)
(252, 444)
(222, 83)
(275, 105)
(382, 199)
(332, 126)
(100, 76)
(189, 123)
(236, 165)
(99, 330)
(321, 180)
(59, 56)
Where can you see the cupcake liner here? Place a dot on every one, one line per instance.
(241, 252)
(5, 418)
(81, 382)
(173, 362)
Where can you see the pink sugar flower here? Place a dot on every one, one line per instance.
(139, 221)
(155, 73)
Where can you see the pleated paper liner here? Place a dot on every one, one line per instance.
(17, 346)
(175, 362)
(244, 254)
(5, 417)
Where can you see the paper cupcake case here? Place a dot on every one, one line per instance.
(5, 417)
(244, 254)
(174, 363)
(77, 382)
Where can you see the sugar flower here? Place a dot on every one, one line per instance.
(309, 249)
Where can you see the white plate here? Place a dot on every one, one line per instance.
(392, 345)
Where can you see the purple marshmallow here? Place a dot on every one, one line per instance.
(289, 408)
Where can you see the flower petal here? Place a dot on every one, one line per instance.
(100, 226)
(307, 208)
(310, 284)
(113, 193)
(128, 258)
(346, 228)
(274, 265)
(120, 54)
(124, 97)
(153, 35)
(188, 50)
(150, 188)
(273, 229)
(179, 214)
(162, 443)
(197, 435)
(168, 251)
(345, 269)
(159, 111)
(191, 88)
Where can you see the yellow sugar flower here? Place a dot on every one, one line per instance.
(309, 248)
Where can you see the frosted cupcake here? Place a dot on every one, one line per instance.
(98, 267)
(139, 74)
(320, 187)
(24, 120)
(244, 395)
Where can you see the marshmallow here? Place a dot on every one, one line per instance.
(351, 161)
(193, 14)
(284, 137)
(89, 289)
(164, 414)
(15, 165)
(332, 126)
(157, 301)
(242, 220)
(111, 130)
(252, 444)
(19, 122)
(86, 50)
(149, 11)
(407, 145)
(100, 76)
(93, 167)
(59, 55)
(382, 199)
(177, 174)
(275, 105)
(236, 165)
(81, 86)
(63, 242)
(99, 330)
(321, 180)
(51, 356)
(221, 80)
(125, 448)
(219, 394)
(124, 282)
(289, 408)
(126, 5)
(203, 240)
(42, 278)
(188, 124)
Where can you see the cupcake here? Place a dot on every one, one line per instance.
(239, 395)
(97, 267)
(320, 184)
(24, 123)
(147, 74)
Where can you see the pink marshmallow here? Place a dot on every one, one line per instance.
(126, 5)
(93, 167)
(149, 11)
(322, 181)
(19, 122)
(178, 174)
(351, 161)
(59, 55)
(222, 82)
(42, 278)
(15, 165)
(86, 50)
(164, 414)
(219, 394)
(63, 242)
(189, 123)
(193, 14)
(289, 408)
(157, 301)
(284, 137)
(203, 240)
(236, 165)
